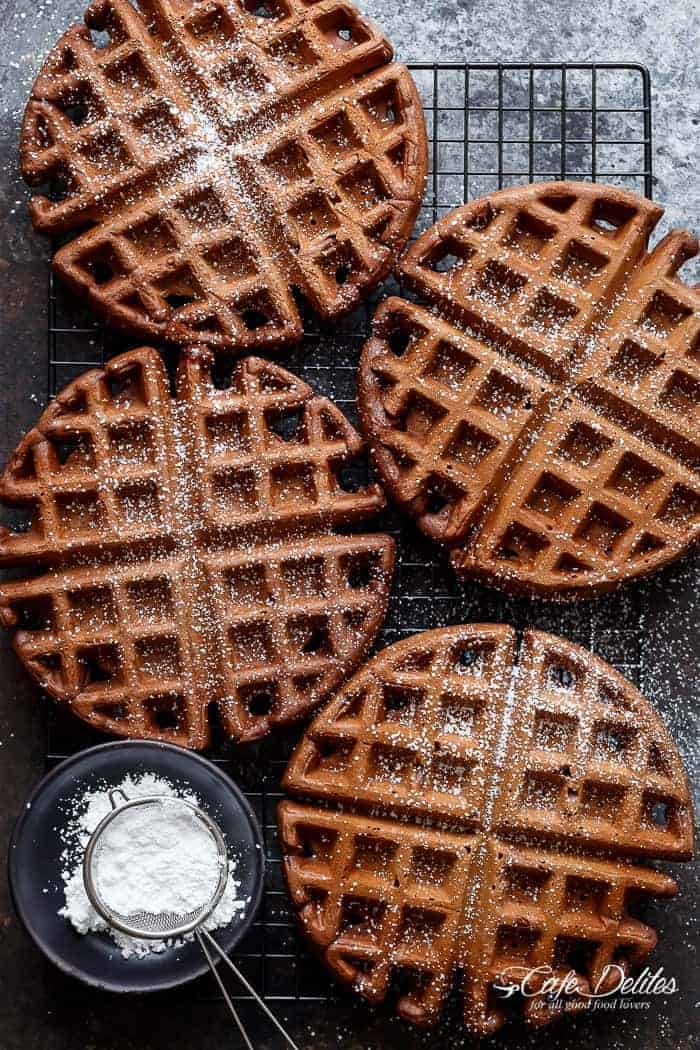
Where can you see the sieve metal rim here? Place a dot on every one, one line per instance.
(103, 909)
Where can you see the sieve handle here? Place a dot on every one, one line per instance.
(114, 794)
(201, 934)
(222, 989)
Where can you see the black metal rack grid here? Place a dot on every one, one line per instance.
(489, 126)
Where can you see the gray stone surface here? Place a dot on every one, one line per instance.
(663, 36)
(39, 1010)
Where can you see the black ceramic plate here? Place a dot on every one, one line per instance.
(34, 863)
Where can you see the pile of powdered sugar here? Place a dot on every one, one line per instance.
(154, 860)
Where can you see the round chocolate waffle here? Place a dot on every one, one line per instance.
(210, 160)
(477, 803)
(537, 411)
(190, 550)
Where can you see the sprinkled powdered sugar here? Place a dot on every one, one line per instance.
(471, 861)
(238, 164)
(225, 532)
(154, 864)
(547, 377)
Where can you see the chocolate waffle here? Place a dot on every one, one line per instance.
(471, 803)
(188, 549)
(538, 410)
(209, 160)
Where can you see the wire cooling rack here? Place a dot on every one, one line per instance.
(489, 126)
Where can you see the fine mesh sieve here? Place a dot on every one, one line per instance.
(146, 924)
(151, 925)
